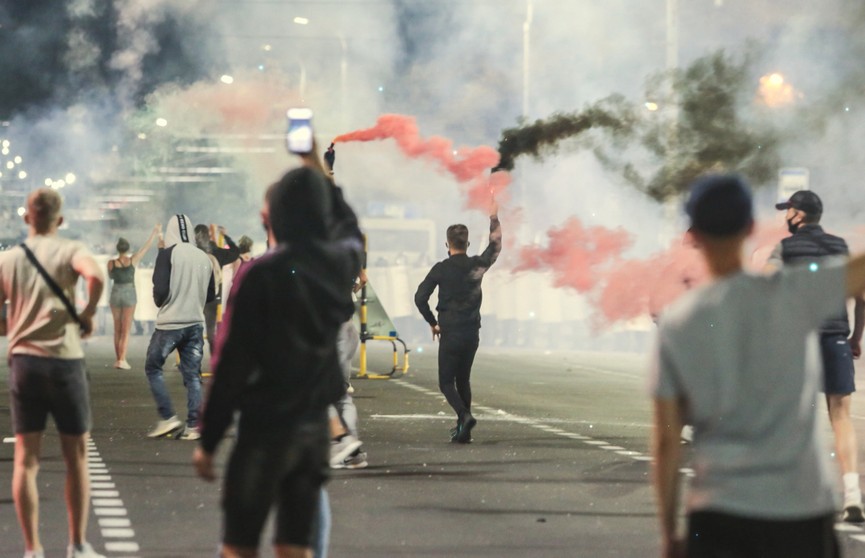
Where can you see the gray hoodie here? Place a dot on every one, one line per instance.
(182, 278)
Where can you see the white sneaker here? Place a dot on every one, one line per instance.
(164, 427)
(341, 449)
(123, 365)
(189, 434)
(357, 460)
(83, 550)
(34, 554)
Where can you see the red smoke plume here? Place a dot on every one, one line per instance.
(466, 165)
(589, 260)
(579, 257)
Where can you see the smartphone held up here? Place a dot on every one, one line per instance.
(299, 136)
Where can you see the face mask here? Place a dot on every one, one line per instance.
(791, 226)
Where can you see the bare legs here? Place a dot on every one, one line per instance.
(74, 450)
(122, 326)
(25, 491)
(845, 436)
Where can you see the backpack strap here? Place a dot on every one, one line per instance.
(55, 288)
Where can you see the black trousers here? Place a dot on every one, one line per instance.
(722, 535)
(456, 354)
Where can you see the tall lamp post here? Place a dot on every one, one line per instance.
(527, 36)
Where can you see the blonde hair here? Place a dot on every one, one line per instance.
(43, 208)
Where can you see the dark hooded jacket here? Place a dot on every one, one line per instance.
(275, 357)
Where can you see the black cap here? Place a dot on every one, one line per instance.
(803, 200)
(720, 205)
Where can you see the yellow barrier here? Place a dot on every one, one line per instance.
(366, 336)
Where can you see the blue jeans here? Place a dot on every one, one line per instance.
(189, 342)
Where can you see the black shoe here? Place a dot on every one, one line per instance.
(464, 431)
(853, 514)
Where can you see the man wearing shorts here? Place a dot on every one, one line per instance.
(808, 246)
(47, 374)
(739, 359)
(276, 362)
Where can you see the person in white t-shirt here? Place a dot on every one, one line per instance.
(738, 359)
(47, 374)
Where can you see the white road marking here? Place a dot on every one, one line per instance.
(501, 415)
(108, 507)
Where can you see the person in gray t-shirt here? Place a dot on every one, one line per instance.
(738, 359)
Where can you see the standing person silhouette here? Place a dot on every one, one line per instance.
(47, 373)
(123, 298)
(458, 280)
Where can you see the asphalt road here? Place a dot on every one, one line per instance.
(558, 466)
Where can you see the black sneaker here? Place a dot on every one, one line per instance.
(853, 514)
(464, 431)
(455, 430)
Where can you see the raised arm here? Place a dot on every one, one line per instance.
(154, 234)
(494, 248)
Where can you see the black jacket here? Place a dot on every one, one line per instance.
(809, 244)
(458, 279)
(275, 358)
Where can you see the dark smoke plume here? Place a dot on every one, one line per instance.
(613, 114)
(709, 128)
(60, 52)
(700, 126)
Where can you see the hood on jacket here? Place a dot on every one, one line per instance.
(301, 207)
(178, 229)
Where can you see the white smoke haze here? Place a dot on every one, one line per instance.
(458, 68)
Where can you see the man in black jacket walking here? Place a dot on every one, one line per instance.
(458, 279)
(807, 246)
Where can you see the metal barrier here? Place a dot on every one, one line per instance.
(366, 335)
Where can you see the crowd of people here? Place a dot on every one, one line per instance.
(738, 358)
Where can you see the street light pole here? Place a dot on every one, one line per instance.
(527, 35)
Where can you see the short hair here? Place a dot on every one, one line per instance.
(458, 237)
(244, 244)
(43, 208)
(202, 236)
(122, 245)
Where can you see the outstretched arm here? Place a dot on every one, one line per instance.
(156, 232)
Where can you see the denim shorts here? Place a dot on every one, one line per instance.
(838, 367)
(123, 295)
(39, 386)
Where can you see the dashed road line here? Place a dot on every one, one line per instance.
(600, 444)
(114, 525)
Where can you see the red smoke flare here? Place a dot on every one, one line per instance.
(466, 165)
